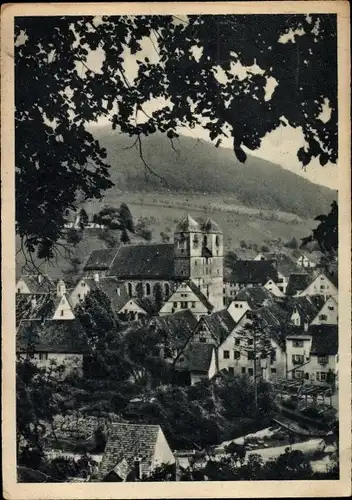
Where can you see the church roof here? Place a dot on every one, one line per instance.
(100, 259)
(210, 226)
(188, 224)
(153, 261)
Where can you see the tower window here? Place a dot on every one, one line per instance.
(205, 241)
(167, 289)
(147, 289)
(129, 289)
(217, 241)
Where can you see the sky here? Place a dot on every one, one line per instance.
(279, 146)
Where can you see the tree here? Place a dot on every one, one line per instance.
(193, 74)
(124, 238)
(165, 238)
(109, 237)
(326, 233)
(230, 259)
(256, 344)
(292, 244)
(73, 237)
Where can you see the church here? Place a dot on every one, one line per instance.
(185, 274)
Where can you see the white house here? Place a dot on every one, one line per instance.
(328, 314)
(237, 308)
(137, 308)
(321, 285)
(187, 296)
(274, 288)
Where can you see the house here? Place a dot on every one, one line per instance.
(285, 267)
(306, 262)
(137, 308)
(248, 273)
(297, 283)
(187, 296)
(302, 310)
(198, 361)
(275, 289)
(237, 308)
(322, 284)
(256, 296)
(43, 306)
(113, 288)
(99, 262)
(313, 356)
(323, 367)
(52, 343)
(133, 451)
(328, 314)
(35, 284)
(214, 328)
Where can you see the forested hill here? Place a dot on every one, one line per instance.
(200, 167)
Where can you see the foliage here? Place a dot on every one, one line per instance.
(230, 259)
(109, 237)
(143, 230)
(51, 138)
(292, 244)
(165, 238)
(326, 233)
(83, 218)
(73, 236)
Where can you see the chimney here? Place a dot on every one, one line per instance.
(137, 467)
(33, 303)
(61, 288)
(40, 278)
(96, 277)
(118, 290)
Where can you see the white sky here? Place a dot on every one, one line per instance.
(280, 146)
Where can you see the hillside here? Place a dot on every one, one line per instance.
(202, 168)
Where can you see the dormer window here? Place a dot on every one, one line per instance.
(217, 241)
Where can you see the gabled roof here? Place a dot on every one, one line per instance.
(146, 304)
(143, 262)
(128, 441)
(220, 324)
(324, 340)
(253, 271)
(100, 260)
(200, 295)
(188, 225)
(307, 307)
(196, 358)
(256, 296)
(38, 283)
(178, 326)
(297, 283)
(113, 288)
(55, 336)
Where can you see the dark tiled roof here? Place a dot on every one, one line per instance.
(143, 262)
(333, 278)
(113, 288)
(128, 441)
(200, 295)
(285, 265)
(324, 339)
(100, 260)
(56, 336)
(220, 324)
(35, 306)
(297, 283)
(178, 326)
(196, 358)
(307, 307)
(253, 271)
(38, 283)
(256, 296)
(146, 304)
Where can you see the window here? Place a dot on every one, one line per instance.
(273, 356)
(202, 340)
(322, 287)
(250, 355)
(243, 369)
(79, 295)
(129, 289)
(196, 263)
(250, 372)
(249, 341)
(226, 354)
(281, 288)
(217, 241)
(236, 306)
(174, 305)
(183, 305)
(231, 370)
(237, 341)
(323, 360)
(297, 359)
(237, 355)
(331, 308)
(43, 356)
(322, 376)
(323, 317)
(62, 312)
(205, 241)
(298, 374)
(297, 343)
(193, 305)
(273, 371)
(167, 289)
(18, 290)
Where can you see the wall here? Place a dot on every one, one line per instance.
(21, 287)
(302, 351)
(79, 292)
(314, 367)
(321, 286)
(73, 363)
(237, 308)
(274, 289)
(163, 453)
(183, 294)
(330, 310)
(135, 285)
(64, 310)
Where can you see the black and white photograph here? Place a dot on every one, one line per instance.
(176, 309)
